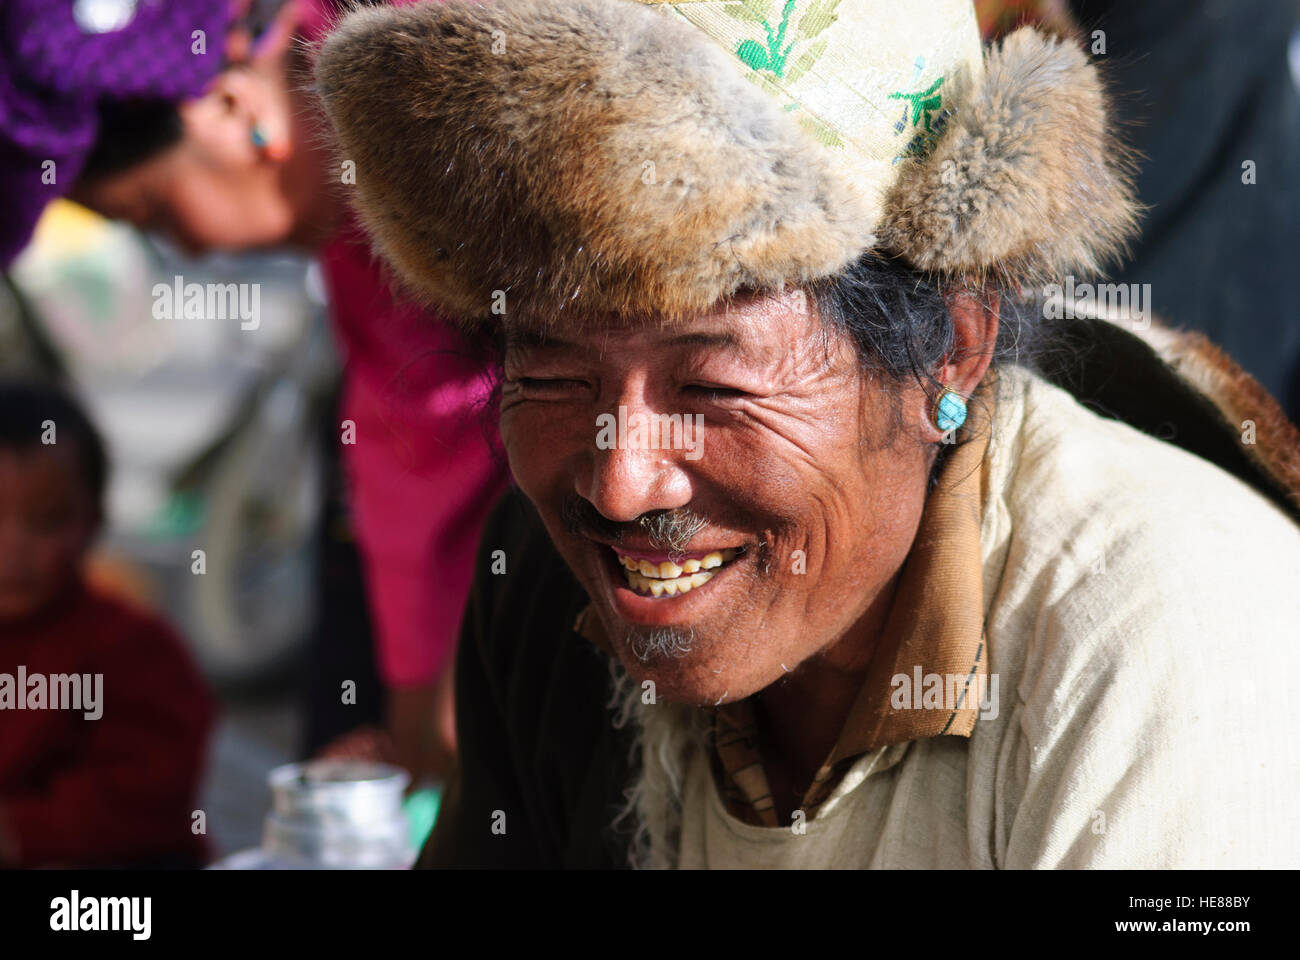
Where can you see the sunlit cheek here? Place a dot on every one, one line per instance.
(543, 448)
(265, 221)
(782, 591)
(807, 568)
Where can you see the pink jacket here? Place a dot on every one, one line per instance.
(426, 466)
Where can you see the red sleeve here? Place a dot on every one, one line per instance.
(128, 789)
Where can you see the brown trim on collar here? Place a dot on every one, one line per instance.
(936, 620)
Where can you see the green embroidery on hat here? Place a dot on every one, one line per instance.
(923, 103)
(771, 62)
(819, 16)
(774, 55)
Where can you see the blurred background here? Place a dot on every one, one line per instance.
(217, 437)
(299, 461)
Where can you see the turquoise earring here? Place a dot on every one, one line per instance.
(258, 137)
(949, 411)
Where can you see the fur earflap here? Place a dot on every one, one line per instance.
(583, 157)
(1028, 183)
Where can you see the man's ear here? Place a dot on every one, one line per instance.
(974, 315)
(975, 333)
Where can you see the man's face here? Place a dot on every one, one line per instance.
(797, 480)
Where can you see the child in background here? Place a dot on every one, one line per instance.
(114, 781)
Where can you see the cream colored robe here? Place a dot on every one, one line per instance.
(1143, 618)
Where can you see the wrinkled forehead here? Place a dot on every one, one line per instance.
(753, 324)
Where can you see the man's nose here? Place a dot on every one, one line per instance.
(628, 476)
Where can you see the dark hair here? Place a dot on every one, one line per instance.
(26, 406)
(897, 318)
(131, 132)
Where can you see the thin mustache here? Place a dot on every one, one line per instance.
(665, 529)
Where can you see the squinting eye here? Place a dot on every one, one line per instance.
(546, 387)
(714, 392)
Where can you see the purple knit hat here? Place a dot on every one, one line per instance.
(59, 58)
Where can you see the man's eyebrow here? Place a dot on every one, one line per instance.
(529, 338)
(746, 351)
(699, 339)
(526, 338)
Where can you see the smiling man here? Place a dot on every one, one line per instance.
(905, 599)
(792, 526)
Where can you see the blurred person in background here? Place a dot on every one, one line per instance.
(110, 778)
(216, 145)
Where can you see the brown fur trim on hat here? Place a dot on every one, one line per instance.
(581, 156)
(1028, 182)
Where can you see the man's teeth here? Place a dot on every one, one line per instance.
(670, 578)
(657, 588)
(667, 570)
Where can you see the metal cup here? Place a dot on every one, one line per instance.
(340, 814)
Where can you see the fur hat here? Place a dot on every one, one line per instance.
(581, 158)
(647, 158)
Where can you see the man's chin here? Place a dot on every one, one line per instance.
(677, 661)
(656, 647)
